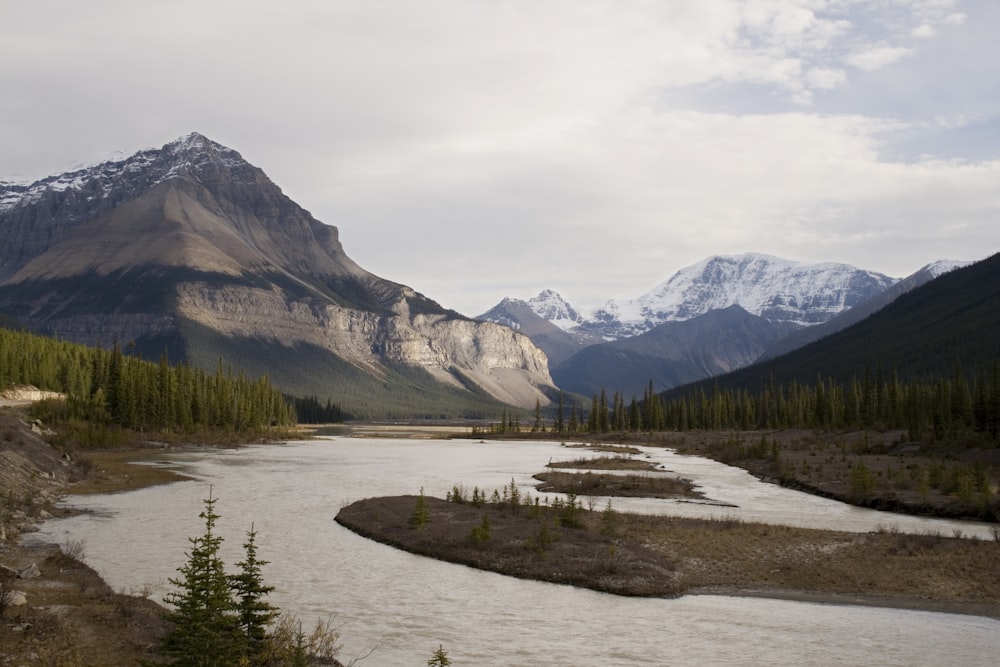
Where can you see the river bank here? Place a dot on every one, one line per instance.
(58, 610)
(128, 472)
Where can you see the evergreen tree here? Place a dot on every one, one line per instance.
(440, 658)
(206, 631)
(254, 613)
(560, 425)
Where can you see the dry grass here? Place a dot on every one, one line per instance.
(527, 545)
(619, 486)
(618, 462)
(745, 555)
(661, 556)
(611, 449)
(114, 470)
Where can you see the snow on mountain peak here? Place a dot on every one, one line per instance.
(940, 267)
(776, 289)
(187, 153)
(551, 306)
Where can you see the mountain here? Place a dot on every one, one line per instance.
(519, 316)
(786, 295)
(548, 320)
(803, 337)
(943, 326)
(779, 290)
(191, 249)
(670, 354)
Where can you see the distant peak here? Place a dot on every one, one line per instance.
(196, 142)
(942, 266)
(193, 153)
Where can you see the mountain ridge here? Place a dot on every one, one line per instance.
(192, 238)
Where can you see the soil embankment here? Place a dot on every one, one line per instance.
(54, 609)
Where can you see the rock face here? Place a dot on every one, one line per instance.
(670, 354)
(191, 249)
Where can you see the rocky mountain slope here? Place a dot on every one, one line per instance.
(670, 354)
(779, 290)
(190, 248)
(946, 326)
(784, 296)
(802, 337)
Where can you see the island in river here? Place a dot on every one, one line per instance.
(644, 555)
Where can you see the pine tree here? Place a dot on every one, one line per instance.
(440, 658)
(254, 613)
(205, 632)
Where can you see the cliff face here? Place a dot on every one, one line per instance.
(506, 365)
(191, 248)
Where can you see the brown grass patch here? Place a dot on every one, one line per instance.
(620, 486)
(661, 556)
(518, 545)
(115, 470)
(605, 463)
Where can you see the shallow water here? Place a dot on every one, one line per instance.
(404, 606)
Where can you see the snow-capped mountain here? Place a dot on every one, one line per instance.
(150, 166)
(191, 250)
(779, 290)
(845, 319)
(786, 293)
(549, 305)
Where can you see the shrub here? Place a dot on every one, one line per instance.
(481, 533)
(421, 514)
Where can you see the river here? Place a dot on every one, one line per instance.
(403, 606)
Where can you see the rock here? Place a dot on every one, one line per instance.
(16, 598)
(30, 572)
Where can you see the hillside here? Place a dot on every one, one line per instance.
(947, 324)
(190, 249)
(670, 354)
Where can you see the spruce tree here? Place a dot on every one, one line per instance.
(205, 632)
(254, 613)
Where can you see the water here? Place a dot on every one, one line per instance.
(404, 606)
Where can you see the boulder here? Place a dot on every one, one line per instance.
(30, 572)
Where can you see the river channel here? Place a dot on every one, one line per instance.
(403, 606)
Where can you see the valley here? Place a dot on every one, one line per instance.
(865, 408)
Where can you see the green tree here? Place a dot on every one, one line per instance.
(254, 613)
(421, 513)
(206, 631)
(440, 658)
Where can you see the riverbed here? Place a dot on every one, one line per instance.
(404, 606)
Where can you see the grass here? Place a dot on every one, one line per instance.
(618, 462)
(114, 470)
(627, 486)
(882, 470)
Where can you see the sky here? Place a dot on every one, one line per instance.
(482, 149)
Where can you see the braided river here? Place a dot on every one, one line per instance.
(393, 608)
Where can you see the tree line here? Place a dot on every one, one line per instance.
(117, 387)
(953, 406)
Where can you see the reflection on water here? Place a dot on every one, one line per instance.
(406, 605)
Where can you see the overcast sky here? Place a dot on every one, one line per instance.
(478, 149)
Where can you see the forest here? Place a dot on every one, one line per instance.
(117, 388)
(949, 407)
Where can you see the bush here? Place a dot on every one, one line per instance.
(481, 533)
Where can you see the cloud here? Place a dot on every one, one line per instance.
(480, 150)
(877, 57)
